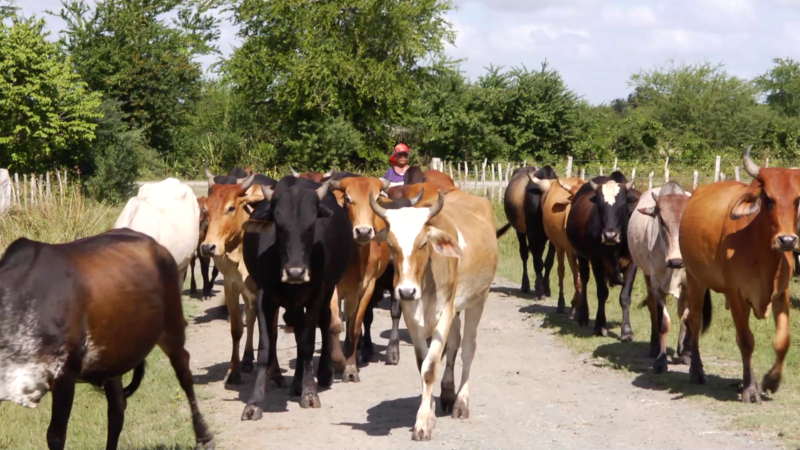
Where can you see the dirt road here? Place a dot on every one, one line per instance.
(527, 391)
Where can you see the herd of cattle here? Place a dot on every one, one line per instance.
(325, 247)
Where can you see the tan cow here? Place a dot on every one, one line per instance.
(556, 203)
(370, 259)
(445, 258)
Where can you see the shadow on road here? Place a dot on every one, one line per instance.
(389, 415)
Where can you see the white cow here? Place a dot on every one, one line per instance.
(653, 242)
(166, 211)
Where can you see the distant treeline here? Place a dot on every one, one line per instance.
(121, 95)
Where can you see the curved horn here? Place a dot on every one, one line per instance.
(246, 182)
(437, 207)
(563, 185)
(655, 196)
(376, 208)
(210, 177)
(751, 167)
(533, 179)
(629, 185)
(294, 172)
(334, 184)
(416, 199)
(268, 192)
(386, 183)
(593, 185)
(322, 191)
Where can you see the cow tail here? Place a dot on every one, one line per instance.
(503, 230)
(138, 374)
(707, 310)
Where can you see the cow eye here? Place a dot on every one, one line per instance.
(770, 203)
(231, 208)
(423, 245)
(347, 199)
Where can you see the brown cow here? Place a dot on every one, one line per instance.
(204, 260)
(737, 239)
(367, 265)
(90, 310)
(556, 203)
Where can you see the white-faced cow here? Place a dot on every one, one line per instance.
(597, 230)
(90, 311)
(653, 233)
(737, 239)
(445, 258)
(298, 245)
(168, 212)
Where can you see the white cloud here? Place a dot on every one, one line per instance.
(636, 16)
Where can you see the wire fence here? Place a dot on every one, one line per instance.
(28, 190)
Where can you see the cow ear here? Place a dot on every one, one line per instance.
(633, 197)
(443, 243)
(256, 226)
(382, 235)
(323, 212)
(747, 205)
(651, 211)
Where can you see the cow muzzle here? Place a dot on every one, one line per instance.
(295, 275)
(208, 250)
(407, 293)
(785, 242)
(675, 263)
(610, 237)
(363, 235)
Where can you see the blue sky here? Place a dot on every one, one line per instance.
(597, 45)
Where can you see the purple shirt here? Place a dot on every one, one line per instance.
(392, 176)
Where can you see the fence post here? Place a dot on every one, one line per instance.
(33, 189)
(16, 181)
(666, 171)
(475, 184)
(450, 164)
(716, 170)
(650, 181)
(722, 176)
(41, 186)
(583, 173)
(601, 171)
(615, 164)
(25, 189)
(47, 191)
(767, 165)
(508, 171)
(60, 186)
(568, 172)
(633, 174)
(483, 175)
(736, 173)
(492, 174)
(525, 163)
(694, 181)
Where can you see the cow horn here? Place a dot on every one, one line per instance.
(376, 208)
(210, 177)
(416, 199)
(334, 184)
(534, 180)
(322, 191)
(563, 185)
(246, 182)
(268, 192)
(751, 167)
(630, 184)
(655, 196)
(386, 183)
(437, 207)
(294, 172)
(593, 185)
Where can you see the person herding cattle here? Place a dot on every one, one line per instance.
(737, 239)
(90, 310)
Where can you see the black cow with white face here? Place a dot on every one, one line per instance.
(297, 245)
(597, 228)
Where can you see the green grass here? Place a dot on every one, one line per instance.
(157, 416)
(775, 417)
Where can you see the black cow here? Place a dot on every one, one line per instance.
(298, 245)
(90, 310)
(384, 283)
(523, 207)
(597, 228)
(237, 175)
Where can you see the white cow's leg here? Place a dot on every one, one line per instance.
(426, 415)
(448, 397)
(472, 317)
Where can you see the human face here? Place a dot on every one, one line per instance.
(402, 159)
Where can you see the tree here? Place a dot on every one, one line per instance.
(335, 66)
(781, 85)
(129, 51)
(46, 112)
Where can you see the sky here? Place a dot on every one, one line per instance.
(597, 45)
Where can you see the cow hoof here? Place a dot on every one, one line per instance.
(525, 288)
(392, 355)
(602, 331)
(310, 400)
(234, 378)
(208, 445)
(460, 410)
(247, 364)
(547, 292)
(252, 412)
(685, 360)
(583, 320)
(660, 366)
(751, 394)
(771, 382)
(279, 381)
(697, 377)
(626, 337)
(423, 429)
(350, 374)
(366, 355)
(447, 400)
(325, 379)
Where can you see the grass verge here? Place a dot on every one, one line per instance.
(776, 417)
(157, 416)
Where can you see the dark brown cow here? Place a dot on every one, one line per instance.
(413, 175)
(737, 239)
(204, 260)
(101, 305)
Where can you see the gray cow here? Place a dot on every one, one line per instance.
(653, 242)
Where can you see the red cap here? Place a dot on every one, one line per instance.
(401, 148)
